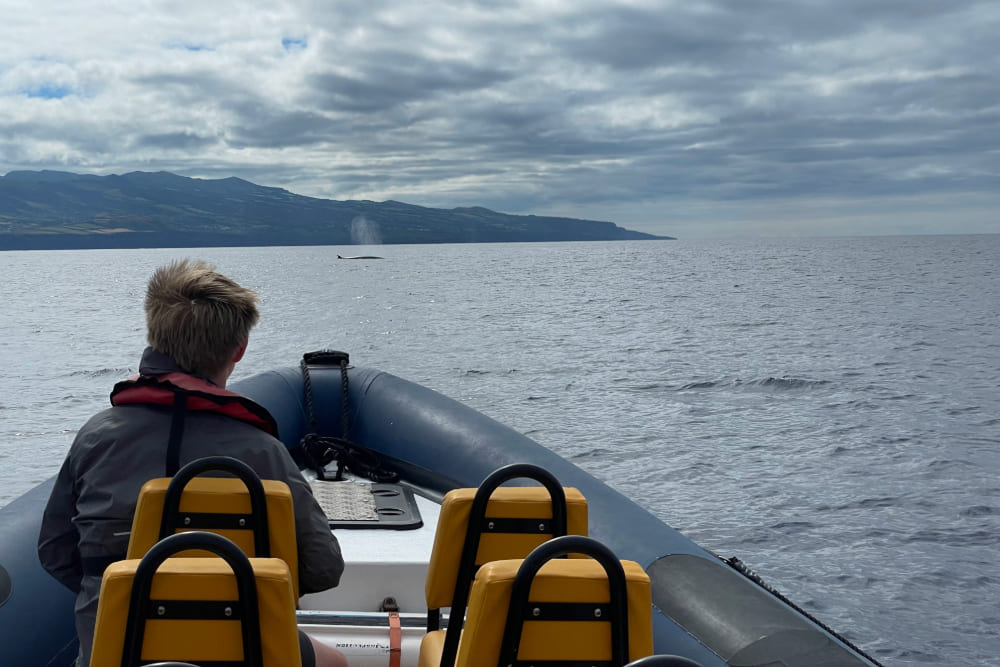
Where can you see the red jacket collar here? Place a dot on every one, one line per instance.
(201, 395)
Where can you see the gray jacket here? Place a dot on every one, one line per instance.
(89, 514)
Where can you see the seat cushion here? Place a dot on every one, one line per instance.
(561, 580)
(506, 502)
(201, 579)
(221, 495)
(431, 647)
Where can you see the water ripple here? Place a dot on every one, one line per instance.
(770, 382)
(829, 420)
(103, 372)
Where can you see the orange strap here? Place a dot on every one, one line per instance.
(395, 639)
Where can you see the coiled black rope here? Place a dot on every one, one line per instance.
(320, 450)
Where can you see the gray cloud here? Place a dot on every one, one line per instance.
(655, 114)
(176, 141)
(397, 79)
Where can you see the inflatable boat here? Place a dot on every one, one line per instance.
(403, 447)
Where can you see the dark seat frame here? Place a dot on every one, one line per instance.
(244, 608)
(173, 519)
(522, 609)
(479, 524)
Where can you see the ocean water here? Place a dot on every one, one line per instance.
(824, 409)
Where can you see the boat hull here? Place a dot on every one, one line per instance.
(438, 444)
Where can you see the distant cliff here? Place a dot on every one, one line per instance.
(50, 209)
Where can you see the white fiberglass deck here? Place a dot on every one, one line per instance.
(379, 564)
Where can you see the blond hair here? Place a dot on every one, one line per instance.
(198, 316)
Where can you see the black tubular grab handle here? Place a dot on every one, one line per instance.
(326, 358)
(555, 548)
(142, 583)
(477, 512)
(258, 499)
(522, 471)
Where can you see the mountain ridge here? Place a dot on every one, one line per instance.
(57, 209)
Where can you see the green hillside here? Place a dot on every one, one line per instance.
(50, 209)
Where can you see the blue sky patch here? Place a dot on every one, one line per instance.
(49, 91)
(187, 46)
(292, 45)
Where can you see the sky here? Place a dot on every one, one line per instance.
(694, 118)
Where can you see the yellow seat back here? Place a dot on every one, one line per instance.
(196, 609)
(220, 505)
(476, 526)
(569, 615)
(522, 502)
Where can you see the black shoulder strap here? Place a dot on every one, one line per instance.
(176, 434)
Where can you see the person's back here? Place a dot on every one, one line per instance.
(175, 411)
